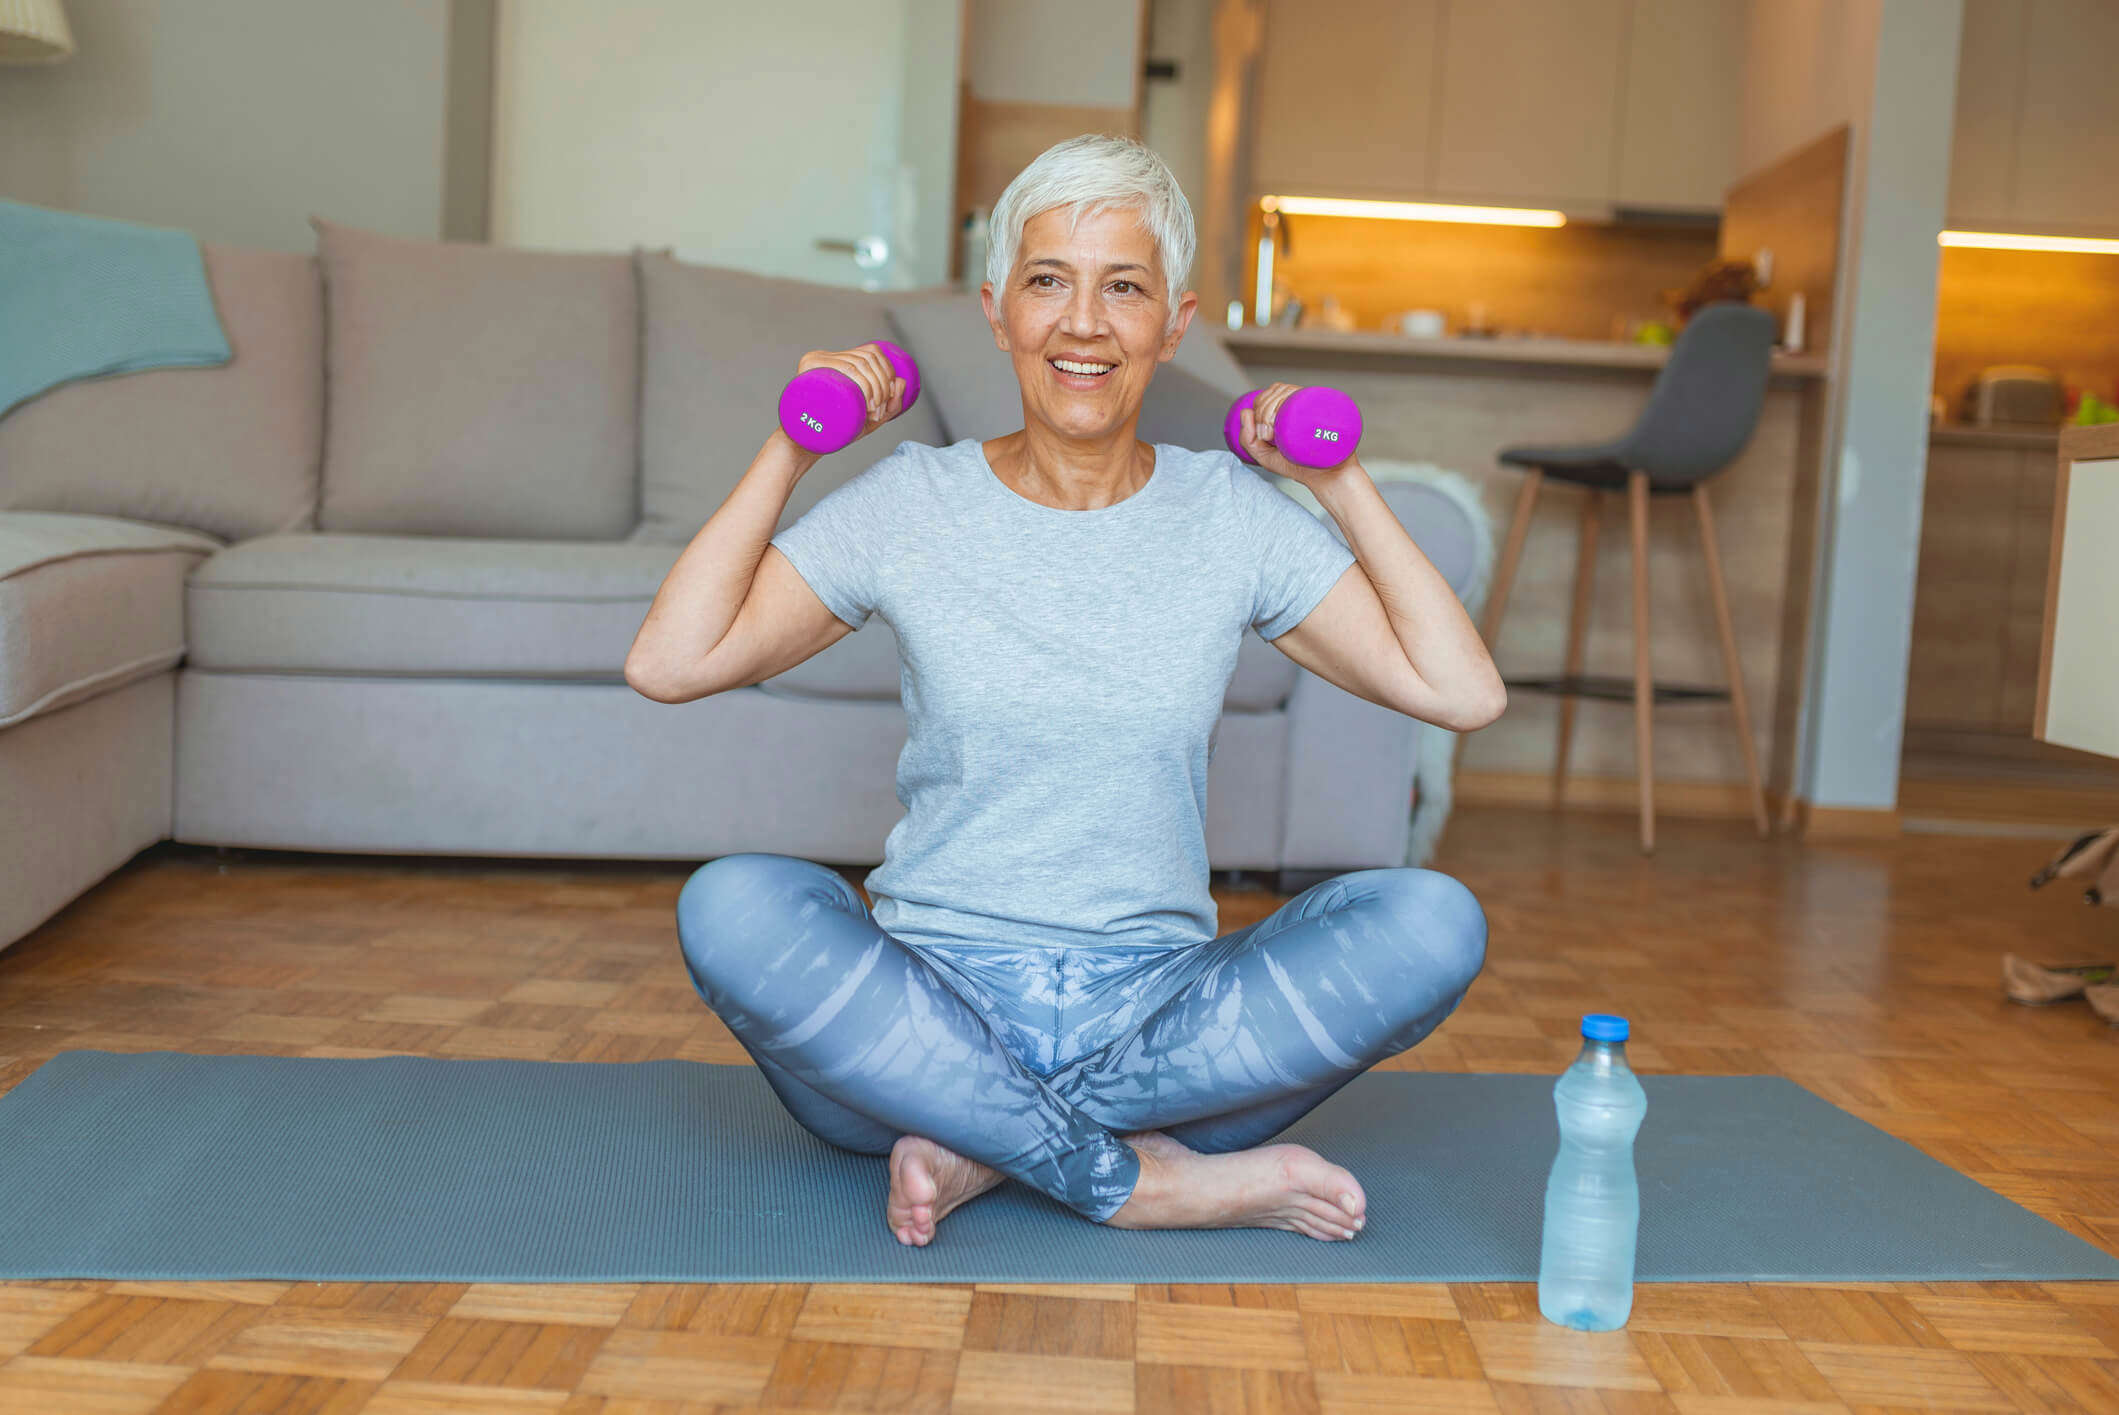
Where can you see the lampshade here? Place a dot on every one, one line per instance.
(33, 32)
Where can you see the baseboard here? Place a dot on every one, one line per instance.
(1710, 800)
(1966, 805)
(1728, 800)
(1847, 822)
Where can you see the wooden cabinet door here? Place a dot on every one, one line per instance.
(1989, 102)
(1961, 595)
(2036, 473)
(1344, 92)
(2067, 148)
(1681, 111)
(1529, 100)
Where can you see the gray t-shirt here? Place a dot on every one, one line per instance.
(1063, 674)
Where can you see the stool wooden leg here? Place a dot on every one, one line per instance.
(1511, 551)
(1505, 572)
(1730, 662)
(1577, 633)
(1643, 684)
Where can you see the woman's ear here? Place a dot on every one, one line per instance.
(993, 316)
(1186, 308)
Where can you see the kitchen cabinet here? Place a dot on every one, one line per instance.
(2067, 144)
(1529, 99)
(1344, 91)
(1577, 104)
(1989, 93)
(2078, 680)
(1680, 122)
(2036, 111)
(1985, 541)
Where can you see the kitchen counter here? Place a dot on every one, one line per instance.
(1456, 403)
(1259, 343)
(2043, 439)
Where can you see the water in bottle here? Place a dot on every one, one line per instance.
(1592, 1200)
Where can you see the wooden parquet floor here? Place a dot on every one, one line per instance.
(1868, 972)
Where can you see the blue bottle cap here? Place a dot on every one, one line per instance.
(1604, 1027)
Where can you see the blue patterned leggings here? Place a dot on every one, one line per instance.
(1035, 1060)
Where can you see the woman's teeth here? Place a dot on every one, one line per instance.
(1076, 366)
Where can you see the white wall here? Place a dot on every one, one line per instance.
(236, 119)
(1174, 111)
(1888, 68)
(735, 133)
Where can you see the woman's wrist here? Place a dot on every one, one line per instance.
(787, 452)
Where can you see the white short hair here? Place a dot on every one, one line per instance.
(1092, 174)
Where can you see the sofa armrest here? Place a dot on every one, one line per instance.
(1350, 780)
(1353, 766)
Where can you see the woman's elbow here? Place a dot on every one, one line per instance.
(1476, 710)
(644, 680)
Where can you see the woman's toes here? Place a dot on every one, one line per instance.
(1322, 1228)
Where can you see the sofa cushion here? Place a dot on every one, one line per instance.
(474, 607)
(230, 450)
(719, 345)
(360, 604)
(977, 395)
(478, 390)
(87, 604)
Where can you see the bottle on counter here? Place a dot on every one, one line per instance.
(1792, 326)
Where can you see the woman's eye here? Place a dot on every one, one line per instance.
(1130, 286)
(1035, 278)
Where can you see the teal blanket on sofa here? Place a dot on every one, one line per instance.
(82, 296)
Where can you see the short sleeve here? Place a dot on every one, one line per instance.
(1296, 558)
(836, 544)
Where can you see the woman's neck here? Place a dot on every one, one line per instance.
(1073, 474)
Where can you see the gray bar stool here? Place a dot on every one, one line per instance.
(1702, 410)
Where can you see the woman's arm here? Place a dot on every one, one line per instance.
(1441, 671)
(1454, 683)
(705, 590)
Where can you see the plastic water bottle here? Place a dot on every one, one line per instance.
(1592, 1200)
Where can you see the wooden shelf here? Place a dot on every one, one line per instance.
(1576, 353)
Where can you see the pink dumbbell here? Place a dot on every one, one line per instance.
(1315, 427)
(823, 409)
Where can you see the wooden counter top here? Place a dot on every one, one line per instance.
(1576, 353)
(2090, 444)
(1973, 435)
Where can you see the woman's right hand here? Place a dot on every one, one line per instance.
(881, 388)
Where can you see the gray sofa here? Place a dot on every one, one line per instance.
(368, 587)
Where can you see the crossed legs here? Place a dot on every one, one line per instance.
(1217, 1045)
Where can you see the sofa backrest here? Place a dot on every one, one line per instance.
(230, 450)
(717, 347)
(478, 390)
(398, 386)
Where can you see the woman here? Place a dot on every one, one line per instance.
(1040, 992)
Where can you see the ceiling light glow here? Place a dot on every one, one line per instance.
(1996, 241)
(1412, 211)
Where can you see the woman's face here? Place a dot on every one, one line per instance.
(1094, 299)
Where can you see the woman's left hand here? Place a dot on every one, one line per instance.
(1258, 438)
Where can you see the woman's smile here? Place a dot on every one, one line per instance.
(1080, 373)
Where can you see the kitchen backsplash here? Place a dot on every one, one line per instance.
(1577, 281)
(2060, 311)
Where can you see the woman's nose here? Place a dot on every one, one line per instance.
(1082, 315)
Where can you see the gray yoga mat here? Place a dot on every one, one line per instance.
(408, 1169)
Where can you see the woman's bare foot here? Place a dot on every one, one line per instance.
(1272, 1186)
(927, 1180)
